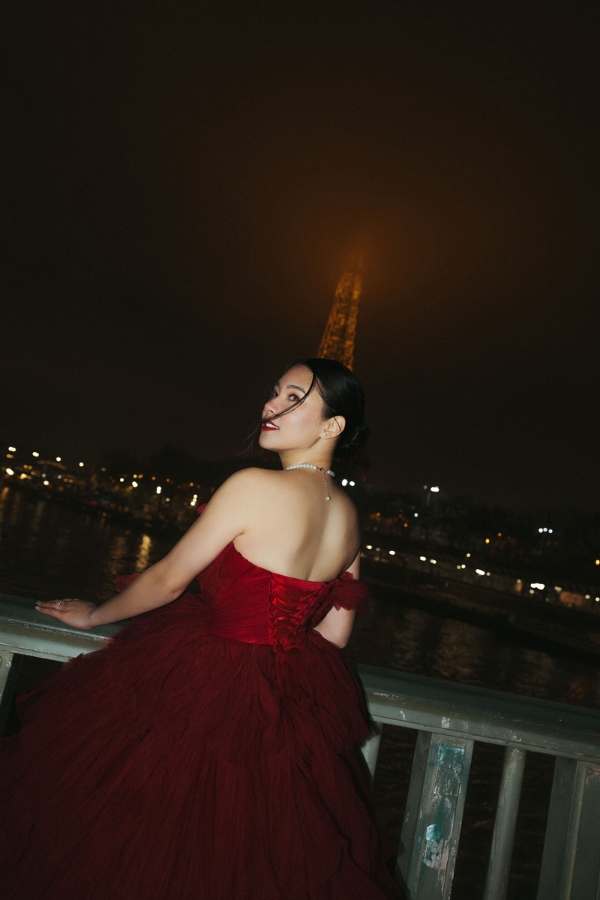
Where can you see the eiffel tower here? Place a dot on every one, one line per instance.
(340, 332)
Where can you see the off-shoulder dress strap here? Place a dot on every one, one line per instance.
(350, 593)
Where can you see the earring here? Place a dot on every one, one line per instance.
(324, 434)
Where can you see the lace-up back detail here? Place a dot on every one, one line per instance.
(248, 603)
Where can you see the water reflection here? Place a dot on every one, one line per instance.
(48, 551)
(395, 635)
(143, 553)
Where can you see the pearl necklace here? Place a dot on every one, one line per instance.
(325, 472)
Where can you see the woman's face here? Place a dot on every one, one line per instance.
(303, 426)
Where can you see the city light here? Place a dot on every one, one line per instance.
(423, 558)
(46, 483)
(35, 453)
(416, 515)
(352, 483)
(487, 540)
(194, 500)
(344, 482)
(369, 546)
(121, 479)
(158, 489)
(538, 585)
(598, 562)
(479, 572)
(9, 472)
(13, 449)
(59, 459)
(81, 464)
(9, 455)
(433, 562)
(392, 552)
(434, 490)
(134, 484)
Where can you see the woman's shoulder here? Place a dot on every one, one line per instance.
(250, 478)
(270, 488)
(248, 486)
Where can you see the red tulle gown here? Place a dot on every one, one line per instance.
(206, 753)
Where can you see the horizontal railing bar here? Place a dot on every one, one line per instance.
(532, 746)
(430, 704)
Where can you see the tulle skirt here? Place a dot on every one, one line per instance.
(175, 764)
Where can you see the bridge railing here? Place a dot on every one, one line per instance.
(449, 719)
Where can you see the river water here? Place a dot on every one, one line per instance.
(48, 551)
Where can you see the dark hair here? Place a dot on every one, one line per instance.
(342, 395)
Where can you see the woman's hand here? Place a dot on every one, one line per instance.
(77, 613)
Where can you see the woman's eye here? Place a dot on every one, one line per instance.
(293, 397)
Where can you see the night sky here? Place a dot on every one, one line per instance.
(182, 182)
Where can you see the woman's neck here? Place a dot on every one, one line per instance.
(296, 457)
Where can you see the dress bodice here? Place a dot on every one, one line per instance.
(248, 603)
(244, 602)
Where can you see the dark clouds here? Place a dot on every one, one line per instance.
(184, 183)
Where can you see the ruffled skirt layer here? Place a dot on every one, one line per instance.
(177, 765)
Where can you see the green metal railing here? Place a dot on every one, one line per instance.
(449, 718)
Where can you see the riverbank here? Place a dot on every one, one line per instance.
(530, 622)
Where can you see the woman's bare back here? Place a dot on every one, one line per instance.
(293, 529)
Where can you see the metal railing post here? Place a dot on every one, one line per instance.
(8, 665)
(496, 883)
(571, 860)
(433, 817)
(370, 750)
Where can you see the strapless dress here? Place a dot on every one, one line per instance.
(207, 752)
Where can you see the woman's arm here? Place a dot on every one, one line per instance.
(226, 516)
(336, 626)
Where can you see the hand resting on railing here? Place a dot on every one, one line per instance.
(73, 612)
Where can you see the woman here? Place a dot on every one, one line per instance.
(207, 751)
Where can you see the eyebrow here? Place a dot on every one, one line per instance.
(297, 386)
